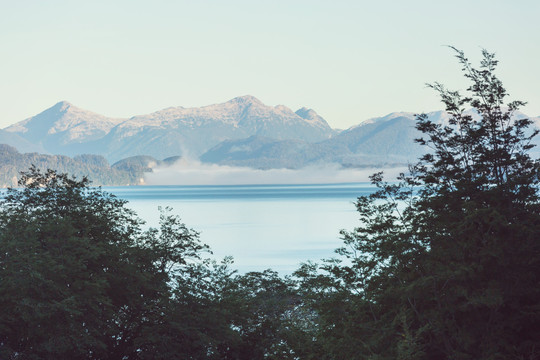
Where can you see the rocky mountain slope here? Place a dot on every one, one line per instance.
(67, 130)
(19, 142)
(240, 132)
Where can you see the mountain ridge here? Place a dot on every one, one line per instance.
(241, 132)
(68, 130)
(385, 141)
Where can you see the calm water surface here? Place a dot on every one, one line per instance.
(261, 226)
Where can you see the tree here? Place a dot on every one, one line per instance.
(267, 317)
(220, 314)
(446, 262)
(79, 278)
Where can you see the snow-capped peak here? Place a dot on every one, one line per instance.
(245, 100)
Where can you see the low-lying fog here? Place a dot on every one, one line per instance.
(191, 172)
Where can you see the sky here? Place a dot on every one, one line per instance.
(347, 60)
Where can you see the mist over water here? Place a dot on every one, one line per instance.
(273, 218)
(192, 172)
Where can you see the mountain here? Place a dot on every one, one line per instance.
(239, 132)
(382, 141)
(260, 152)
(19, 142)
(64, 129)
(386, 140)
(68, 130)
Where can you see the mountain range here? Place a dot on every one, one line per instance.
(239, 132)
(68, 130)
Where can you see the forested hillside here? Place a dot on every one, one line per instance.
(128, 171)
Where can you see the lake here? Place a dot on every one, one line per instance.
(261, 226)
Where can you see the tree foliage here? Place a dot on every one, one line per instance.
(79, 278)
(445, 263)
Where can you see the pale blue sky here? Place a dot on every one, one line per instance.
(348, 60)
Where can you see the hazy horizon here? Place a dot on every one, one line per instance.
(193, 172)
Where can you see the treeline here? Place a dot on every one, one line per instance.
(444, 264)
(129, 171)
